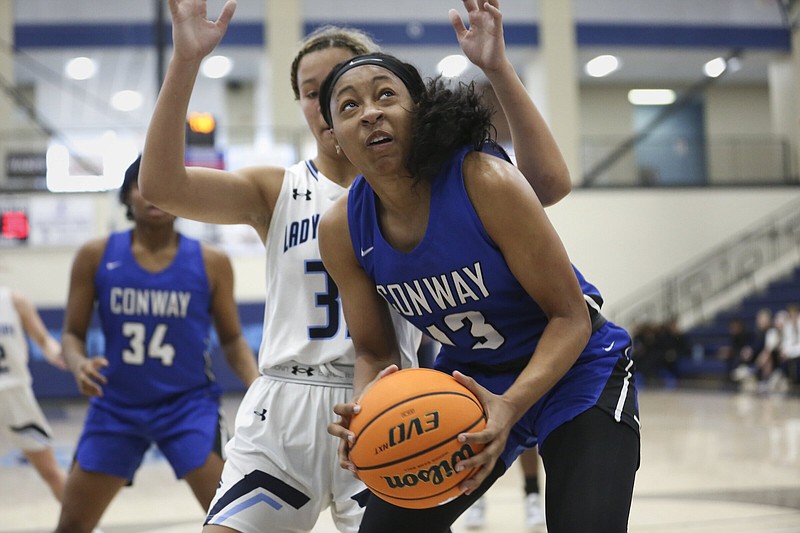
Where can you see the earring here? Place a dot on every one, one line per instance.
(338, 150)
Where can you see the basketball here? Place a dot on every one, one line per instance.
(406, 445)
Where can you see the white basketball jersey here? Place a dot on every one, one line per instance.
(13, 345)
(303, 319)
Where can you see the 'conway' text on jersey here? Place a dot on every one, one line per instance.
(445, 291)
(149, 302)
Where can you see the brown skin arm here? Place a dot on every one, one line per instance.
(515, 220)
(77, 317)
(366, 314)
(538, 156)
(246, 196)
(238, 353)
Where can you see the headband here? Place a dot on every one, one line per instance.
(406, 72)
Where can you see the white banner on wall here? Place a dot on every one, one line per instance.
(57, 220)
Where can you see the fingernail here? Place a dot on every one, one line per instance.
(462, 438)
(351, 439)
(357, 409)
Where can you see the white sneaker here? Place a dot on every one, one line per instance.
(475, 516)
(534, 512)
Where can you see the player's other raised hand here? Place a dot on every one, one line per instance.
(194, 36)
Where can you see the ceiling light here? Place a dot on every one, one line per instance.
(715, 67)
(126, 100)
(216, 67)
(452, 66)
(651, 96)
(602, 66)
(80, 68)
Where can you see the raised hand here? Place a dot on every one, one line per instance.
(483, 42)
(194, 36)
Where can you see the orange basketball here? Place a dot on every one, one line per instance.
(406, 445)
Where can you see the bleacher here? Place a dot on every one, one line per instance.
(706, 339)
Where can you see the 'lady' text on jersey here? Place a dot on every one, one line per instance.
(298, 232)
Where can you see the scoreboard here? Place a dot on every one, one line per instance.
(46, 220)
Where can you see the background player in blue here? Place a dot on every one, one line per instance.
(456, 241)
(157, 293)
(282, 468)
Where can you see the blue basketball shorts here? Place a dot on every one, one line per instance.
(115, 438)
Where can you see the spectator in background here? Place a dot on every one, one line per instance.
(790, 343)
(767, 360)
(738, 350)
(644, 343)
(21, 418)
(670, 346)
(657, 350)
(748, 373)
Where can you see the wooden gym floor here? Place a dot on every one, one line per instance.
(712, 462)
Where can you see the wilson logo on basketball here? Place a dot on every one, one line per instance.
(409, 429)
(434, 475)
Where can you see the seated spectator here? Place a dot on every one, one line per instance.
(644, 340)
(670, 346)
(751, 370)
(767, 360)
(739, 349)
(790, 343)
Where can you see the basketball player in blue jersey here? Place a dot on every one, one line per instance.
(282, 465)
(443, 230)
(157, 294)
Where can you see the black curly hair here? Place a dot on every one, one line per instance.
(131, 179)
(447, 118)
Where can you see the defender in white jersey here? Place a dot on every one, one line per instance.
(304, 320)
(281, 462)
(282, 468)
(21, 419)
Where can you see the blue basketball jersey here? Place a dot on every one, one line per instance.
(156, 325)
(455, 285)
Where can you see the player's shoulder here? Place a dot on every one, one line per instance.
(336, 215)
(89, 255)
(213, 252)
(487, 173)
(94, 248)
(268, 179)
(334, 230)
(215, 258)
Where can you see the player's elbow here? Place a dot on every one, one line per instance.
(559, 185)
